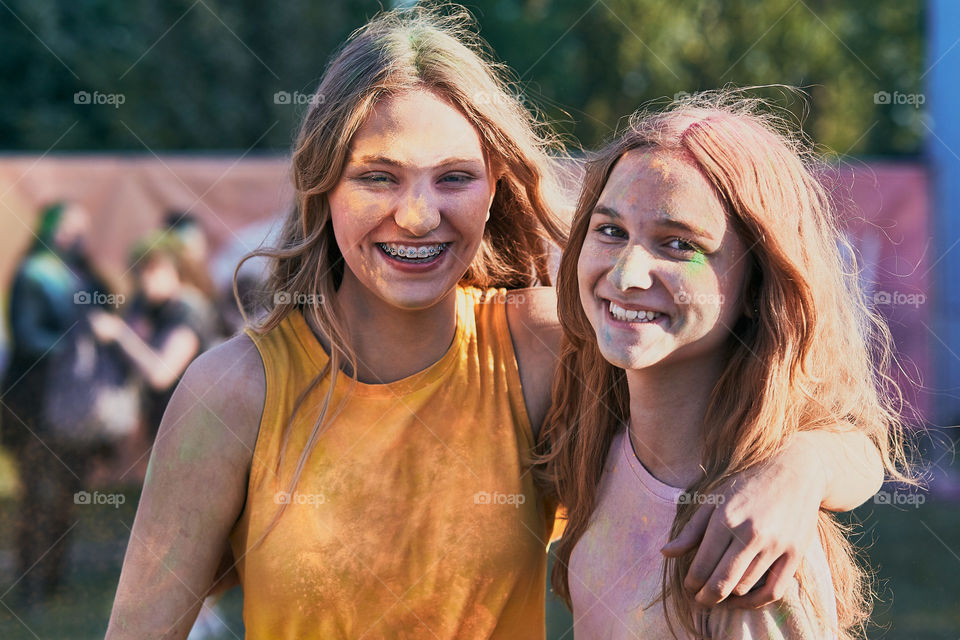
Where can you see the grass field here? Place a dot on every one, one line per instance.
(914, 549)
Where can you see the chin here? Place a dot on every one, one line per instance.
(415, 296)
(631, 358)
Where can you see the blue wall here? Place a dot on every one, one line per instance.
(943, 152)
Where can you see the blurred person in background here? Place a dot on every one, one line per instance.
(199, 291)
(161, 332)
(54, 289)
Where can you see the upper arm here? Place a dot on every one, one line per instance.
(535, 332)
(193, 494)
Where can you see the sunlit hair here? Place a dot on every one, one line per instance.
(808, 353)
(421, 48)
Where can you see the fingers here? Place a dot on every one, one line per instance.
(754, 575)
(778, 580)
(715, 541)
(727, 575)
(691, 534)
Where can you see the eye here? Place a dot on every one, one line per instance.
(457, 179)
(610, 231)
(375, 178)
(683, 246)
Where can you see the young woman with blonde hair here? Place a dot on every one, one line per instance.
(362, 453)
(709, 321)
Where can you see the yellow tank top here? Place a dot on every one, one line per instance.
(414, 516)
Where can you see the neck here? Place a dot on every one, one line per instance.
(668, 403)
(392, 343)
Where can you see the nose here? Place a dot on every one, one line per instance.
(418, 214)
(633, 269)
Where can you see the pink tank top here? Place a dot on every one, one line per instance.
(616, 568)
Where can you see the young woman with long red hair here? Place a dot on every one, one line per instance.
(362, 450)
(709, 322)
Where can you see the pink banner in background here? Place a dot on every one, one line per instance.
(887, 208)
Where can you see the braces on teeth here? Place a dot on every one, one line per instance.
(418, 253)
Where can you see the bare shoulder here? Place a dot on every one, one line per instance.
(535, 332)
(533, 317)
(225, 388)
(208, 432)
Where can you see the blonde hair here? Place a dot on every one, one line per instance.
(783, 373)
(433, 48)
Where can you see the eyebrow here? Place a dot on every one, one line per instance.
(606, 211)
(663, 220)
(374, 159)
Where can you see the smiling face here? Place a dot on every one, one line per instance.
(409, 210)
(661, 271)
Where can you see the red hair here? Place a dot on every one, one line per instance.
(782, 374)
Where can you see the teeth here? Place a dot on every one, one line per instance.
(632, 315)
(413, 253)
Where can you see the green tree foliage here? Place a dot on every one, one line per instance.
(205, 74)
(623, 53)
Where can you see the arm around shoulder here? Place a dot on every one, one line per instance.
(194, 492)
